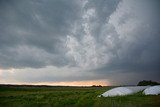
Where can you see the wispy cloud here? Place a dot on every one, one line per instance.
(77, 40)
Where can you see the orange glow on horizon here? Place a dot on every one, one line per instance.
(77, 83)
(71, 83)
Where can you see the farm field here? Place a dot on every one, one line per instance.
(43, 96)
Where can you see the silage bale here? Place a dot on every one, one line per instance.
(154, 90)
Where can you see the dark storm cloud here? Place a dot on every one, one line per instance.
(103, 8)
(137, 45)
(123, 40)
(102, 39)
(39, 25)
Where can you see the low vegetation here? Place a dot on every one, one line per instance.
(43, 96)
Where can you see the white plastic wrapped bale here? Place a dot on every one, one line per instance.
(136, 89)
(117, 92)
(154, 90)
(121, 91)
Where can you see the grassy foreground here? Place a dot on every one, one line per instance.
(24, 96)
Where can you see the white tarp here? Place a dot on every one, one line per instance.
(120, 91)
(154, 90)
(117, 92)
(136, 89)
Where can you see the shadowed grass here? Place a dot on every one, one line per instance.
(70, 97)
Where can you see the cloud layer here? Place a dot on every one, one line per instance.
(74, 40)
(33, 32)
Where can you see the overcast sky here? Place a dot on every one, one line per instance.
(113, 42)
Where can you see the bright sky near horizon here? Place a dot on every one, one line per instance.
(79, 42)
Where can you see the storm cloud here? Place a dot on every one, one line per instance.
(33, 32)
(61, 40)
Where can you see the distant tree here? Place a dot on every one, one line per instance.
(96, 85)
(146, 82)
(99, 85)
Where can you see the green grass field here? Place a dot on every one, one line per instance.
(22, 96)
